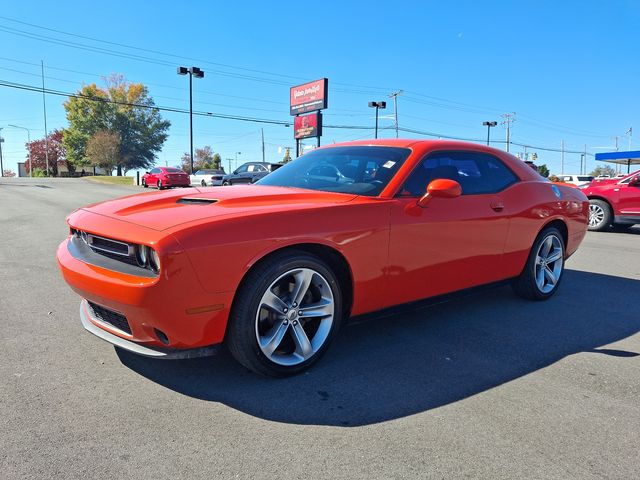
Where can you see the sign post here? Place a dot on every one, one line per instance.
(305, 98)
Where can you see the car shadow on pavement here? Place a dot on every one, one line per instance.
(405, 364)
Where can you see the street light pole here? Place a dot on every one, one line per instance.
(489, 125)
(377, 105)
(28, 149)
(237, 153)
(193, 71)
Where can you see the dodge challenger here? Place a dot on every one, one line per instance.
(272, 270)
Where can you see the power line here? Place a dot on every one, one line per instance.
(253, 119)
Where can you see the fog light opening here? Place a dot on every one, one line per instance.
(162, 336)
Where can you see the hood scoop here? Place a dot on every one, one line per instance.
(196, 201)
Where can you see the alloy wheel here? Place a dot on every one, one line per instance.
(549, 262)
(295, 316)
(596, 215)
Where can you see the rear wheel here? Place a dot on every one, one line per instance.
(144, 183)
(203, 183)
(599, 215)
(543, 271)
(285, 315)
(159, 185)
(226, 183)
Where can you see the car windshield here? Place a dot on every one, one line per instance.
(360, 170)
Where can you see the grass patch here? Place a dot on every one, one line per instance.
(112, 180)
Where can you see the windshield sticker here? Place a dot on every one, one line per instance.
(389, 164)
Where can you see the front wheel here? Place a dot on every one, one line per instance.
(159, 185)
(599, 215)
(285, 315)
(226, 183)
(542, 273)
(203, 183)
(144, 183)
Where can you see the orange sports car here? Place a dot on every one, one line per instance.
(273, 269)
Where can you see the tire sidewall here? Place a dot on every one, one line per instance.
(244, 318)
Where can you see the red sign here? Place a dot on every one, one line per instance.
(309, 97)
(306, 126)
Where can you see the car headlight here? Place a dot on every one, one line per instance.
(154, 261)
(147, 257)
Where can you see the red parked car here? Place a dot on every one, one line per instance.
(614, 201)
(272, 269)
(165, 177)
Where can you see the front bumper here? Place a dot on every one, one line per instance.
(90, 322)
(173, 303)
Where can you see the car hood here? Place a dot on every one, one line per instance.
(164, 210)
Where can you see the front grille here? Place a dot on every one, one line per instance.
(114, 319)
(108, 245)
(115, 256)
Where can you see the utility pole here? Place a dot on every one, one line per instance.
(1, 167)
(585, 159)
(508, 120)
(395, 107)
(629, 133)
(44, 111)
(562, 156)
(262, 131)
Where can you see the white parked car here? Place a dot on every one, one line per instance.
(576, 179)
(210, 177)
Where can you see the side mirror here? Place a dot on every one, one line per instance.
(235, 172)
(441, 187)
(147, 173)
(635, 181)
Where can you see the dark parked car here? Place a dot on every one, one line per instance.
(250, 172)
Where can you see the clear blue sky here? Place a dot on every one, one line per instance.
(568, 69)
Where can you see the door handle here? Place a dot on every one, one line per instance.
(497, 206)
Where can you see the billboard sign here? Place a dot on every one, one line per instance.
(307, 126)
(309, 97)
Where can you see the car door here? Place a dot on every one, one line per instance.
(452, 243)
(629, 197)
(153, 176)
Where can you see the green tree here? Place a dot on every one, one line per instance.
(123, 108)
(103, 150)
(204, 159)
(603, 171)
(543, 170)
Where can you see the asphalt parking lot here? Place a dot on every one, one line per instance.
(487, 386)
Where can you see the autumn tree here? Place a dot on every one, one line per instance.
(56, 150)
(121, 107)
(103, 150)
(287, 156)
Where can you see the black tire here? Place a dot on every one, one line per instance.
(203, 183)
(226, 183)
(159, 185)
(242, 331)
(526, 284)
(144, 183)
(600, 215)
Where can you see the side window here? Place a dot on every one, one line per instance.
(251, 168)
(155, 170)
(260, 168)
(477, 173)
(242, 169)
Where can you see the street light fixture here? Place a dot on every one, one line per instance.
(192, 72)
(237, 153)
(489, 125)
(28, 149)
(377, 105)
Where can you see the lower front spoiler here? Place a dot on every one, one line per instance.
(153, 352)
